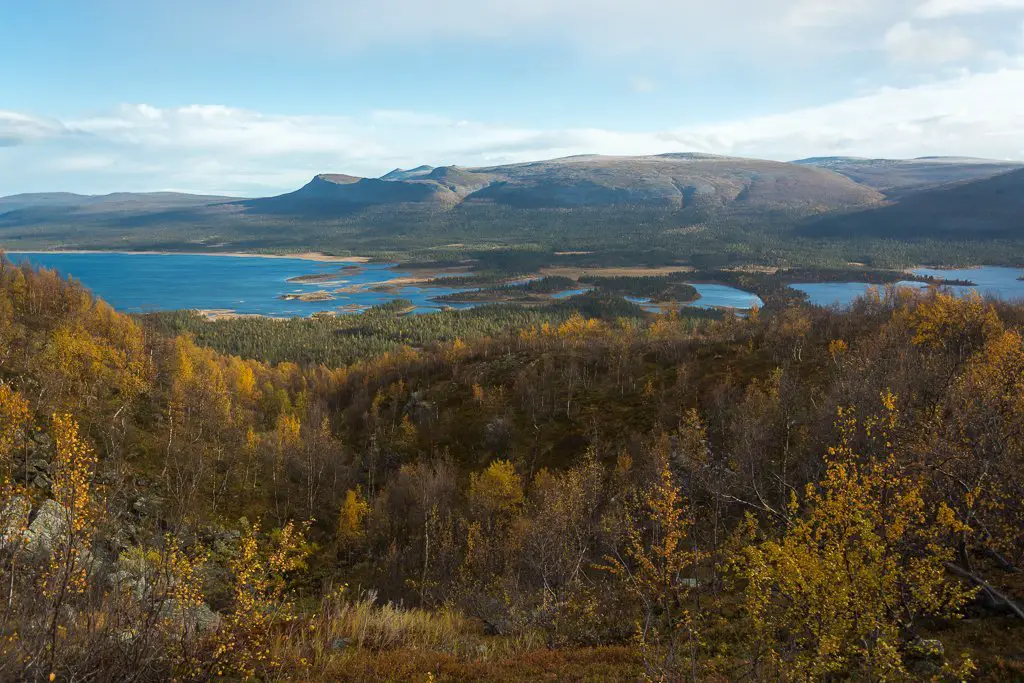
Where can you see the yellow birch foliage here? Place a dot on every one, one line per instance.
(72, 490)
(496, 490)
(288, 436)
(945, 321)
(657, 565)
(74, 467)
(243, 642)
(14, 416)
(352, 519)
(859, 562)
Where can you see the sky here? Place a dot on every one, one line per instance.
(254, 97)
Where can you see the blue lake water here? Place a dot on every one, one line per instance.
(723, 296)
(1002, 283)
(711, 296)
(570, 292)
(137, 283)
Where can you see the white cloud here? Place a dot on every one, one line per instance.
(971, 115)
(20, 129)
(943, 45)
(937, 9)
(603, 27)
(227, 150)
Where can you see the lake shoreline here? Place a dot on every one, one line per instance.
(300, 256)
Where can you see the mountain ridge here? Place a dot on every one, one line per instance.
(895, 177)
(675, 203)
(667, 181)
(874, 173)
(987, 208)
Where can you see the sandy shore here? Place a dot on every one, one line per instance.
(574, 273)
(215, 314)
(304, 256)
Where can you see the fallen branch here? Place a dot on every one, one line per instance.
(997, 599)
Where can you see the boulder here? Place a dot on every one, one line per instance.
(47, 527)
(925, 657)
(194, 618)
(35, 473)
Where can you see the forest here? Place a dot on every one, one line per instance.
(633, 235)
(580, 491)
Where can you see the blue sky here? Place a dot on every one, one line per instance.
(254, 97)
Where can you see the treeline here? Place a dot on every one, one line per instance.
(796, 495)
(662, 288)
(522, 240)
(345, 339)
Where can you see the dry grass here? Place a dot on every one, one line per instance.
(575, 273)
(364, 624)
(599, 664)
(355, 638)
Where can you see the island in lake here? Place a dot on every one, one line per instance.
(308, 296)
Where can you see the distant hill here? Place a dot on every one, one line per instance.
(898, 176)
(979, 209)
(334, 193)
(670, 181)
(115, 201)
(663, 207)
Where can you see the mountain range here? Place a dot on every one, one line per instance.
(823, 196)
(672, 181)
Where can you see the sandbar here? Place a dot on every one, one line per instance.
(304, 256)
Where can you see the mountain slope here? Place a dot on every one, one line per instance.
(896, 176)
(992, 208)
(137, 201)
(410, 174)
(672, 181)
(337, 193)
(673, 205)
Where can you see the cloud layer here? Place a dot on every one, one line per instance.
(934, 77)
(214, 148)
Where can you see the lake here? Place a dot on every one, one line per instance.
(1002, 283)
(138, 283)
(711, 296)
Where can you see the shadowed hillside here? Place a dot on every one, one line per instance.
(992, 208)
(898, 176)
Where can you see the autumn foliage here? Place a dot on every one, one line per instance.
(798, 495)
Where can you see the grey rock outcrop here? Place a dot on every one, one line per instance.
(47, 528)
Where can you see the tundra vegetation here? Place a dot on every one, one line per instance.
(800, 494)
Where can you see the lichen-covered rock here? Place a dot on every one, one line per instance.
(47, 528)
(194, 618)
(925, 657)
(34, 473)
(134, 578)
(926, 648)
